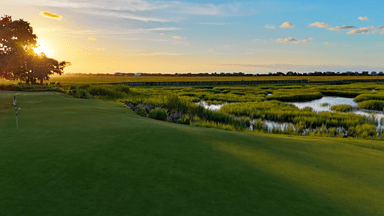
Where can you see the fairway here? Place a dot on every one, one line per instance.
(88, 157)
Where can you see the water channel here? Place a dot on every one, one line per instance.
(319, 105)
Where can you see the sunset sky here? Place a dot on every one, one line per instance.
(207, 36)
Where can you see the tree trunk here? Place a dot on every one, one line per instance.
(41, 82)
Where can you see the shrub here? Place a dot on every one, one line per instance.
(141, 111)
(186, 120)
(81, 93)
(366, 131)
(341, 108)
(325, 104)
(159, 114)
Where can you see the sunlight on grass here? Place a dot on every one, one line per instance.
(340, 178)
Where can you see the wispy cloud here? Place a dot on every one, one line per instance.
(338, 28)
(256, 39)
(270, 26)
(50, 15)
(128, 16)
(286, 40)
(304, 41)
(319, 25)
(92, 38)
(363, 30)
(289, 39)
(363, 18)
(210, 50)
(329, 44)
(177, 37)
(287, 25)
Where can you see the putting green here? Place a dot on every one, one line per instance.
(87, 157)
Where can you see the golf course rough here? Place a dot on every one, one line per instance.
(89, 157)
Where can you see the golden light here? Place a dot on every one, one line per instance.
(41, 47)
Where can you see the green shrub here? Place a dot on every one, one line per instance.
(159, 114)
(81, 93)
(341, 108)
(325, 104)
(141, 111)
(366, 131)
(186, 120)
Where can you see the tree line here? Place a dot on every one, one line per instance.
(18, 60)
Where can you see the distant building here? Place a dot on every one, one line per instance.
(373, 73)
(137, 74)
(381, 73)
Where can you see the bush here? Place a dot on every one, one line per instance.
(159, 114)
(341, 108)
(81, 93)
(141, 111)
(186, 120)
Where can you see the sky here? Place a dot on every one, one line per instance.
(195, 36)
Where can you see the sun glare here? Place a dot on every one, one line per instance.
(41, 47)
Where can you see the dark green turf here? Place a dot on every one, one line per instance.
(87, 157)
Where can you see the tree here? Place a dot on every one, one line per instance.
(17, 57)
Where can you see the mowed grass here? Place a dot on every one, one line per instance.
(85, 78)
(87, 157)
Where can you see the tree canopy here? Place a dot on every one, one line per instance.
(18, 61)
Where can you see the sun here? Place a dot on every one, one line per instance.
(41, 47)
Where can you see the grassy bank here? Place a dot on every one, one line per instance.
(87, 157)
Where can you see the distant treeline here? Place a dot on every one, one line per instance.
(289, 73)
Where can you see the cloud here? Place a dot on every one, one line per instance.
(270, 26)
(286, 40)
(256, 39)
(92, 38)
(210, 50)
(363, 30)
(338, 28)
(177, 37)
(289, 39)
(287, 25)
(128, 16)
(100, 49)
(162, 34)
(319, 25)
(363, 18)
(382, 31)
(304, 41)
(50, 15)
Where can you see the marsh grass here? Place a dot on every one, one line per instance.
(341, 108)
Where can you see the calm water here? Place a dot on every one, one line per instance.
(316, 105)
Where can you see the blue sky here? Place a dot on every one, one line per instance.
(207, 36)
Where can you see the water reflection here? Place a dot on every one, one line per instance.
(317, 106)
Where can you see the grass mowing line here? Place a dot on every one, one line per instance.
(70, 159)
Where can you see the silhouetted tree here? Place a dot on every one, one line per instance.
(17, 57)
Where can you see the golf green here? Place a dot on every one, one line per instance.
(88, 157)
